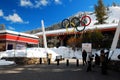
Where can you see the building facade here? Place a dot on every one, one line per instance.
(14, 40)
(62, 35)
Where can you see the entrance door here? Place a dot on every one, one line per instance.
(10, 47)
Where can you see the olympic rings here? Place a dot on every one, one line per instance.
(76, 22)
(83, 18)
(68, 24)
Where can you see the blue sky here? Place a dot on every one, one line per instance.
(25, 15)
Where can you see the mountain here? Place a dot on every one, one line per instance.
(113, 14)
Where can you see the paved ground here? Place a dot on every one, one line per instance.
(54, 72)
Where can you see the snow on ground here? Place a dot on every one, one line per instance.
(65, 52)
(112, 54)
(29, 52)
(4, 62)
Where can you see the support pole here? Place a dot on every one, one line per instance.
(116, 37)
(77, 62)
(58, 60)
(44, 35)
(67, 62)
(44, 39)
(40, 60)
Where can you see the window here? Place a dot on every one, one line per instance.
(10, 47)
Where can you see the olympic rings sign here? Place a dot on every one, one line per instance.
(76, 22)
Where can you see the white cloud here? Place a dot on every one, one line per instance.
(1, 13)
(14, 18)
(26, 3)
(41, 3)
(44, 2)
(38, 3)
(11, 28)
(58, 2)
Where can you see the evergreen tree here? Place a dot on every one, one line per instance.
(96, 38)
(114, 4)
(100, 11)
(93, 36)
(86, 36)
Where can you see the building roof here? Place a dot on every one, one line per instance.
(18, 37)
(18, 33)
(61, 31)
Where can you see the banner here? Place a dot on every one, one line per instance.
(87, 47)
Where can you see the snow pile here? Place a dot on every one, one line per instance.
(4, 62)
(29, 52)
(66, 52)
(112, 54)
(40, 52)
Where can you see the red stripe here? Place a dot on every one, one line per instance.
(3, 36)
(18, 38)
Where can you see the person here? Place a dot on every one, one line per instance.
(84, 55)
(89, 60)
(103, 62)
(97, 59)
